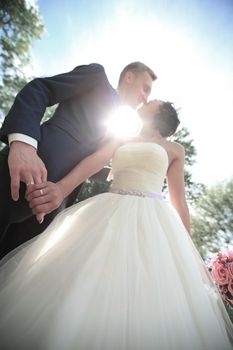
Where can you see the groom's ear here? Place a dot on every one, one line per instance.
(129, 77)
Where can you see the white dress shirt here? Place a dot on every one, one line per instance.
(23, 138)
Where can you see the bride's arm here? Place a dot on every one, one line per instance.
(176, 186)
(45, 197)
(87, 167)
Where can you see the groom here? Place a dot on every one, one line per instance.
(38, 152)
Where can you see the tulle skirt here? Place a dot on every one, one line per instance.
(114, 272)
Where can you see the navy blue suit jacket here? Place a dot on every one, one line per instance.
(85, 100)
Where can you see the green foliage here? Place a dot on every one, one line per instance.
(49, 113)
(96, 184)
(20, 24)
(92, 187)
(212, 223)
(193, 189)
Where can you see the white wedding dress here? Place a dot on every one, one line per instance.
(114, 272)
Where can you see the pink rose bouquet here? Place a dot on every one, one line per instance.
(221, 269)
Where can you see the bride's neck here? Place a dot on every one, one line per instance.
(150, 135)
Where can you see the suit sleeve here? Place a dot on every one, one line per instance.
(30, 104)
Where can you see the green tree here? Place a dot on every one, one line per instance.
(193, 189)
(212, 221)
(20, 24)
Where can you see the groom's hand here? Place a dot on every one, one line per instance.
(24, 166)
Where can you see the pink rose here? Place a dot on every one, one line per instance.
(221, 267)
(220, 273)
(230, 269)
(230, 254)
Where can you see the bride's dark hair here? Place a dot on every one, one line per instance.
(166, 119)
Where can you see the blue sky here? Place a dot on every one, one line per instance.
(188, 44)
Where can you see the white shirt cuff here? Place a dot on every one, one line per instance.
(23, 138)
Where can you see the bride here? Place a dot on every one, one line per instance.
(117, 271)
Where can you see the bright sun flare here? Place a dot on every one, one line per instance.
(124, 122)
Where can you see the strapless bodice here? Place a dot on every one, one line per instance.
(140, 166)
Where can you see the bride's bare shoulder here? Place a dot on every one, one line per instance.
(176, 149)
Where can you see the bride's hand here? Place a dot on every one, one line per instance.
(43, 198)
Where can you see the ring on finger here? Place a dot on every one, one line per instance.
(41, 192)
(30, 183)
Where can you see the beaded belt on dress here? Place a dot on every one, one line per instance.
(153, 195)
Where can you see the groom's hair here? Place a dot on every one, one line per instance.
(166, 119)
(137, 68)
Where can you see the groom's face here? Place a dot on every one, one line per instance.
(138, 88)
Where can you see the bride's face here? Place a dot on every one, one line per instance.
(148, 111)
